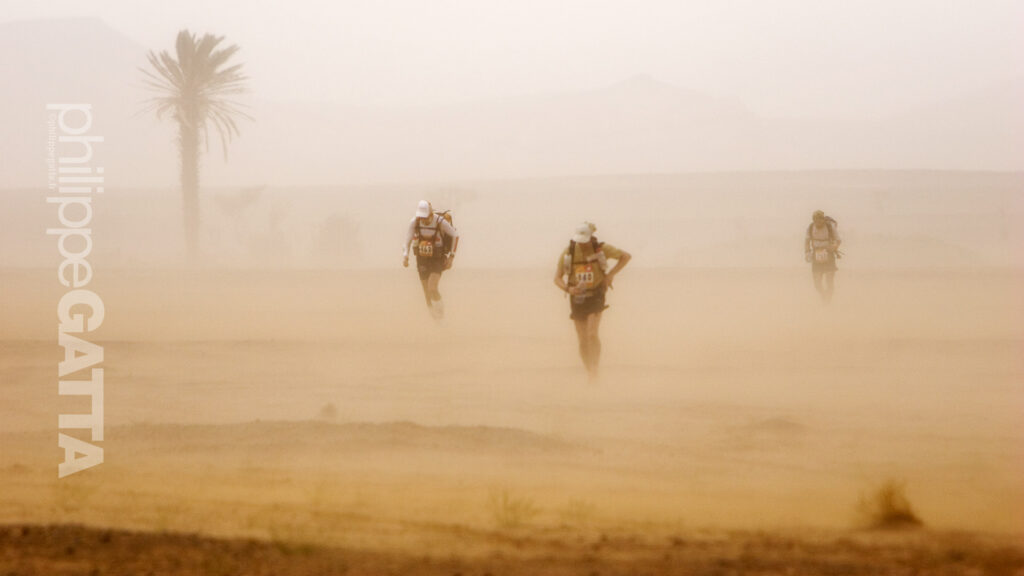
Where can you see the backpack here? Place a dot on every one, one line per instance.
(830, 224)
(446, 241)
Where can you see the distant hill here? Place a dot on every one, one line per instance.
(77, 60)
(637, 126)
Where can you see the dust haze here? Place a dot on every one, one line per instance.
(286, 404)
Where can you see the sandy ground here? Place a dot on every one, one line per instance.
(735, 427)
(73, 549)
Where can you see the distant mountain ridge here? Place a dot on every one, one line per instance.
(636, 126)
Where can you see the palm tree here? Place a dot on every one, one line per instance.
(195, 90)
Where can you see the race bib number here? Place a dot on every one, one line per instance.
(584, 274)
(426, 248)
(821, 255)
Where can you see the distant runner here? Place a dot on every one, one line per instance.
(821, 249)
(435, 240)
(585, 264)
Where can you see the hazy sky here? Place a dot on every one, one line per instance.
(813, 57)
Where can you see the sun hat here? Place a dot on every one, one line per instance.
(423, 210)
(583, 233)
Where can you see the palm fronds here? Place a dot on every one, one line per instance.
(195, 86)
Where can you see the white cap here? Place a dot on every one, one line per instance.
(423, 210)
(583, 233)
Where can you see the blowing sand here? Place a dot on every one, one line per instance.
(324, 414)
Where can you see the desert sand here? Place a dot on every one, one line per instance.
(320, 419)
(235, 184)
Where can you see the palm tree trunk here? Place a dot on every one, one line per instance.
(190, 190)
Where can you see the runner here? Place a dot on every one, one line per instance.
(435, 243)
(583, 273)
(821, 249)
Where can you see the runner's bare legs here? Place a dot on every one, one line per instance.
(426, 290)
(432, 281)
(590, 342)
(824, 283)
(433, 295)
(581, 335)
(593, 325)
(830, 285)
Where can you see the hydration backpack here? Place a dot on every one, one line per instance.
(446, 241)
(830, 224)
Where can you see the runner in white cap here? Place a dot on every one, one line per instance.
(583, 273)
(435, 243)
(821, 249)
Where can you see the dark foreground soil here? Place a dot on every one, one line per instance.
(73, 550)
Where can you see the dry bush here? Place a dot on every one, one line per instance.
(509, 511)
(888, 508)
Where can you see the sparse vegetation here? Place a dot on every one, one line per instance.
(510, 511)
(888, 508)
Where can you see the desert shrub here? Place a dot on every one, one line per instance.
(888, 508)
(509, 511)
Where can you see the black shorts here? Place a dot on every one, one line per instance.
(583, 306)
(428, 266)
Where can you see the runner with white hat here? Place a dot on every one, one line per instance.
(583, 273)
(435, 241)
